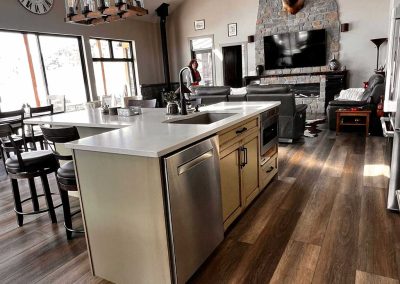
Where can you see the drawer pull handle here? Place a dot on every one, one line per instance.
(244, 129)
(245, 158)
(270, 169)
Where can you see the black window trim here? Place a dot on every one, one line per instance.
(113, 59)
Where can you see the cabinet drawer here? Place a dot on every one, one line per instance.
(268, 171)
(237, 131)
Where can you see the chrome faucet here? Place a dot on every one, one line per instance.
(183, 89)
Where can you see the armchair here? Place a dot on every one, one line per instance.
(370, 100)
(292, 117)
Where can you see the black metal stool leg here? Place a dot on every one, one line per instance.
(49, 199)
(17, 202)
(67, 213)
(35, 201)
(41, 144)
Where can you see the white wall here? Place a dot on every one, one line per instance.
(217, 15)
(146, 35)
(368, 18)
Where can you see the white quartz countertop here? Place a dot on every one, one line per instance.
(149, 134)
(85, 118)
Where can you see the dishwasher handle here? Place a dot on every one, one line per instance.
(191, 164)
(386, 133)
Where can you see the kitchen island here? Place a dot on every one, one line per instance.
(122, 182)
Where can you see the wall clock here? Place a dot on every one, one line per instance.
(38, 7)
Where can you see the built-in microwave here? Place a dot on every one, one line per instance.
(393, 68)
(269, 130)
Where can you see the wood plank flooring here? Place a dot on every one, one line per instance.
(323, 220)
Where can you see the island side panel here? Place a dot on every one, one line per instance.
(123, 208)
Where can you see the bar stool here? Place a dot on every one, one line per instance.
(32, 133)
(66, 173)
(28, 165)
(16, 120)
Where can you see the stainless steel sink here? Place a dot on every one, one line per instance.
(204, 118)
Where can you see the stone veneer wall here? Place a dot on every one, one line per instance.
(316, 14)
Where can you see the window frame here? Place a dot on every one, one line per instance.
(193, 52)
(81, 54)
(112, 58)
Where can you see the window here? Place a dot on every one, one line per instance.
(63, 68)
(202, 50)
(114, 67)
(15, 77)
(34, 67)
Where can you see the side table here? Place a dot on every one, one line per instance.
(347, 117)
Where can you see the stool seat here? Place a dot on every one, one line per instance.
(32, 160)
(66, 173)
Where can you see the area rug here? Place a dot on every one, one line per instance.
(312, 130)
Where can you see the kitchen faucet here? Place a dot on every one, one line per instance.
(183, 89)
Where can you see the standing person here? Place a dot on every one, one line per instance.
(194, 77)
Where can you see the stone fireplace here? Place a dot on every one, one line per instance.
(316, 14)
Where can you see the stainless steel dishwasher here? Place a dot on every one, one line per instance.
(194, 206)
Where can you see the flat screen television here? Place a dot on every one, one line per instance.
(295, 50)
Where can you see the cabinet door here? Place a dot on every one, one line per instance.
(230, 183)
(250, 180)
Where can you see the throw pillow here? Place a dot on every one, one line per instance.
(352, 94)
(239, 91)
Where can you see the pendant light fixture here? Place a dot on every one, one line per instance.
(94, 12)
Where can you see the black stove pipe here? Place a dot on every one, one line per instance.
(162, 12)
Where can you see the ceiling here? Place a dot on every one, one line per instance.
(152, 5)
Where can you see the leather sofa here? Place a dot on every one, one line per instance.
(212, 95)
(371, 98)
(292, 117)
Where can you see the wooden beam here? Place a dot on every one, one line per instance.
(102, 68)
(32, 70)
(127, 72)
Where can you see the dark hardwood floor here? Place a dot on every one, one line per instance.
(323, 220)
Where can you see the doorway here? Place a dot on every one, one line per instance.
(233, 66)
(202, 50)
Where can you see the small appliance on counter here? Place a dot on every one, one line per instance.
(105, 109)
(172, 108)
(130, 111)
(113, 110)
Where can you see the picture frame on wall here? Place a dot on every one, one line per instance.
(199, 25)
(232, 29)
